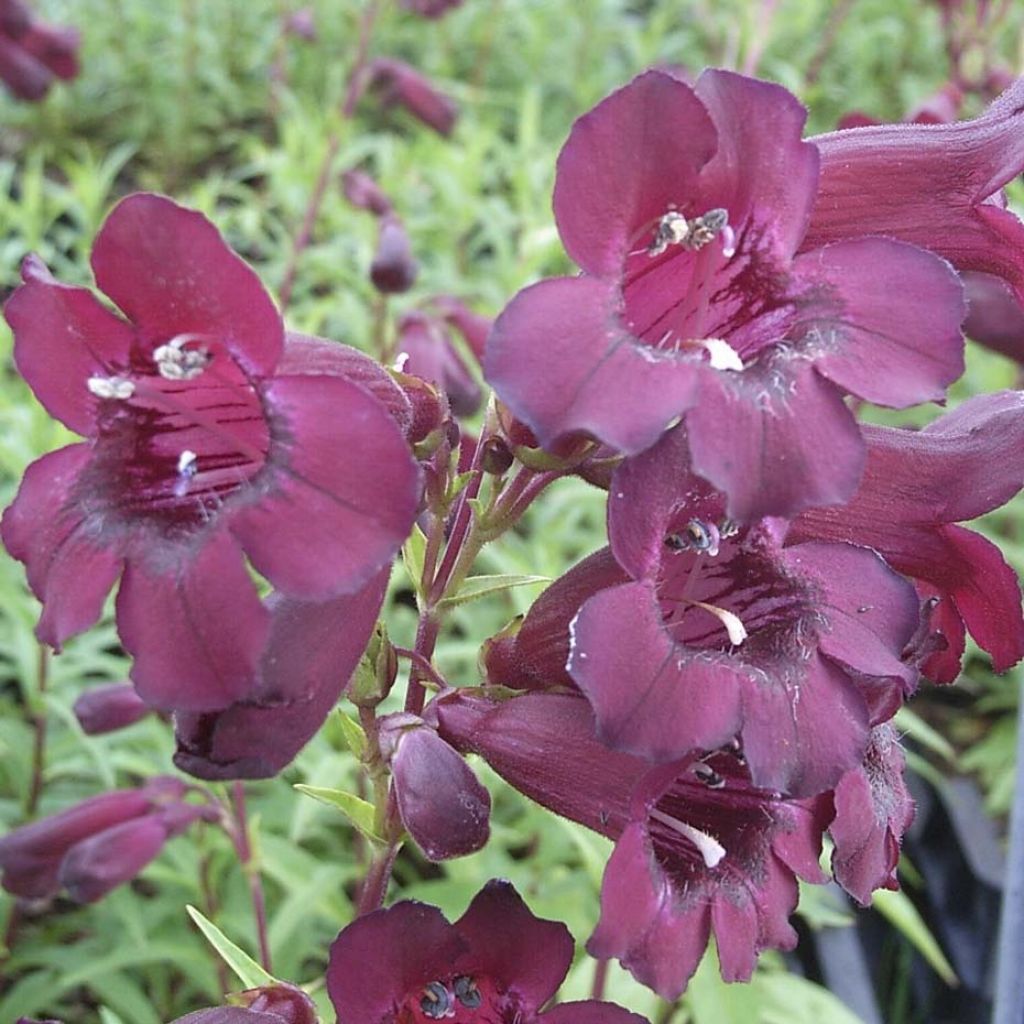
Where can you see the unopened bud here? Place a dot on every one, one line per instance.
(394, 268)
(108, 708)
(400, 83)
(497, 456)
(431, 8)
(364, 193)
(289, 1003)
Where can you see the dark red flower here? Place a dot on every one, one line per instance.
(685, 209)
(936, 186)
(98, 844)
(473, 327)
(873, 810)
(394, 268)
(312, 651)
(442, 805)
(497, 963)
(209, 434)
(430, 353)
(272, 1004)
(698, 847)
(102, 709)
(917, 486)
(32, 53)
(401, 84)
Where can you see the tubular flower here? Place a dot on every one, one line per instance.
(403, 85)
(917, 486)
(497, 964)
(685, 209)
(934, 185)
(429, 353)
(698, 847)
(209, 434)
(312, 650)
(719, 631)
(103, 709)
(98, 844)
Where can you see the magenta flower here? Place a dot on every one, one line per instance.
(394, 268)
(441, 803)
(685, 209)
(32, 53)
(497, 963)
(719, 631)
(995, 317)
(312, 650)
(936, 186)
(209, 434)
(98, 844)
(102, 709)
(917, 486)
(873, 810)
(430, 353)
(698, 847)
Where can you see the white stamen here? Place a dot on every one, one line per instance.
(733, 625)
(709, 847)
(728, 242)
(111, 387)
(723, 355)
(187, 463)
(400, 362)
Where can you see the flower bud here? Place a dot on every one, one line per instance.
(108, 708)
(376, 672)
(394, 268)
(400, 83)
(301, 23)
(431, 8)
(364, 193)
(289, 1003)
(497, 456)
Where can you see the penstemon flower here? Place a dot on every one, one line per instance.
(685, 209)
(209, 435)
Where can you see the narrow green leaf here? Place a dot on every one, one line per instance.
(249, 973)
(413, 553)
(480, 586)
(359, 812)
(897, 909)
(913, 725)
(355, 738)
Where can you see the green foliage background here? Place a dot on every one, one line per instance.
(176, 96)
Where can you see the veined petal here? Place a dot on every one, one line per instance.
(171, 272)
(889, 331)
(563, 361)
(341, 490)
(776, 438)
(637, 154)
(196, 630)
(63, 337)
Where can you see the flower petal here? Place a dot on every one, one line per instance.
(563, 362)
(383, 957)
(626, 163)
(110, 858)
(651, 697)
(196, 630)
(310, 656)
(589, 1011)
(775, 439)
(341, 490)
(171, 272)
(70, 569)
(62, 337)
(523, 953)
(890, 327)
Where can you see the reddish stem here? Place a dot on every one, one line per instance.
(243, 846)
(35, 789)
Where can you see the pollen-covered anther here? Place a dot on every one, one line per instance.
(118, 388)
(672, 229)
(175, 362)
(437, 1001)
(710, 849)
(696, 536)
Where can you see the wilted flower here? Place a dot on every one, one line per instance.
(872, 812)
(209, 434)
(394, 268)
(698, 847)
(32, 53)
(685, 209)
(312, 650)
(430, 353)
(497, 963)
(442, 805)
(102, 709)
(917, 486)
(400, 83)
(98, 844)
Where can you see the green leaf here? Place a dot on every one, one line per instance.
(789, 999)
(480, 586)
(355, 738)
(359, 812)
(413, 553)
(249, 973)
(897, 909)
(913, 725)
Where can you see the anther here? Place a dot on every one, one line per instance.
(696, 536)
(437, 1001)
(466, 992)
(175, 362)
(708, 775)
(111, 387)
